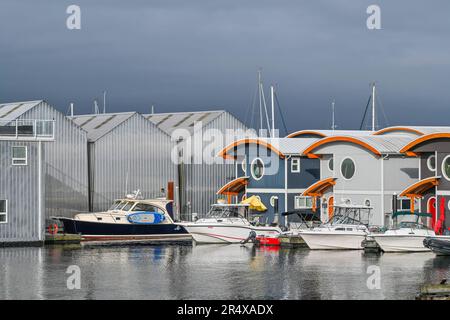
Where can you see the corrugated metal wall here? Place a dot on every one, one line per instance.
(203, 180)
(134, 155)
(66, 177)
(19, 185)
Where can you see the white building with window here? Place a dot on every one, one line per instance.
(22, 183)
(362, 171)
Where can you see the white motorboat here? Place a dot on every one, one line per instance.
(227, 223)
(407, 237)
(346, 230)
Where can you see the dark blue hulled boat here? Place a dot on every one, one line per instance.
(128, 219)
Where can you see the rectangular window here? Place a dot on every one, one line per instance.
(405, 204)
(19, 155)
(3, 211)
(295, 165)
(303, 202)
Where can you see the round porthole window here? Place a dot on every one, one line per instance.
(367, 203)
(431, 163)
(331, 164)
(446, 167)
(257, 169)
(347, 202)
(244, 165)
(348, 168)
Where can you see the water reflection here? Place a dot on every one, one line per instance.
(212, 271)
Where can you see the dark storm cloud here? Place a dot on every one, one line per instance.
(203, 54)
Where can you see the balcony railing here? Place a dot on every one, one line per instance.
(27, 129)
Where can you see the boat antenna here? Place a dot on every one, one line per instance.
(96, 110)
(262, 103)
(281, 113)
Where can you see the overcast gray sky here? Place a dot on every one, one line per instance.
(185, 55)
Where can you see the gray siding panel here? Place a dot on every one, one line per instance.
(134, 155)
(66, 177)
(203, 180)
(19, 185)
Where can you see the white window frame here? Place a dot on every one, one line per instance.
(305, 206)
(442, 168)
(244, 165)
(4, 213)
(428, 163)
(263, 168)
(340, 168)
(295, 162)
(400, 204)
(14, 160)
(328, 164)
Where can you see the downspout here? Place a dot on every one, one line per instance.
(382, 187)
(286, 187)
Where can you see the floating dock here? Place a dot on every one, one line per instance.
(435, 292)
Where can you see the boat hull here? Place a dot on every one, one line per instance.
(440, 245)
(95, 231)
(226, 233)
(401, 243)
(332, 241)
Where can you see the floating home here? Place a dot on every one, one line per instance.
(23, 179)
(362, 171)
(273, 169)
(126, 153)
(200, 176)
(433, 188)
(65, 159)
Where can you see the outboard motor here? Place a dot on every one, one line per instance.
(251, 237)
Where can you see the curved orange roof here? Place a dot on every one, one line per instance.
(318, 188)
(392, 129)
(309, 151)
(306, 132)
(424, 138)
(420, 187)
(234, 186)
(224, 153)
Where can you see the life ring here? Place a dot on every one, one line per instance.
(53, 228)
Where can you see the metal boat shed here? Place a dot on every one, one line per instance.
(65, 160)
(199, 182)
(126, 153)
(22, 187)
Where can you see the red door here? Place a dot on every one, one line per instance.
(432, 209)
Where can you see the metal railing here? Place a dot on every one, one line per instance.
(27, 129)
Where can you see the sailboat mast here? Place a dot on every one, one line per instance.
(333, 126)
(373, 106)
(260, 101)
(273, 110)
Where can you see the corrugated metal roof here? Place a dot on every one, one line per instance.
(168, 122)
(412, 130)
(384, 144)
(13, 110)
(289, 146)
(328, 133)
(97, 125)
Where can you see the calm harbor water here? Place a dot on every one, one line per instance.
(212, 272)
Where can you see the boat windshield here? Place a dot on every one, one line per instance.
(351, 215)
(147, 207)
(412, 225)
(226, 212)
(115, 205)
(127, 206)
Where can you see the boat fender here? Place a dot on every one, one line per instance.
(53, 228)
